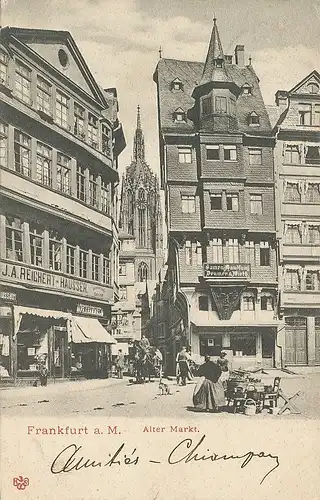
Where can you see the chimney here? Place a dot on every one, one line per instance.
(282, 99)
(239, 54)
(228, 59)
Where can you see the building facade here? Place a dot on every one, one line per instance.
(59, 144)
(141, 245)
(297, 169)
(216, 155)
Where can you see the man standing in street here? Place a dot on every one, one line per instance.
(120, 364)
(183, 367)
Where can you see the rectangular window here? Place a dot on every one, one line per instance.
(95, 267)
(243, 344)
(185, 155)
(83, 264)
(292, 155)
(248, 303)
(206, 106)
(316, 115)
(221, 105)
(79, 117)
(3, 145)
(313, 193)
(314, 235)
(63, 173)
(230, 153)
(232, 107)
(216, 250)
(93, 186)
(312, 281)
(62, 110)
(93, 131)
(106, 140)
(255, 156)
(106, 275)
(293, 235)
(122, 270)
(81, 183)
(233, 251)
(212, 152)
(14, 239)
(313, 155)
(71, 252)
(250, 252)
(123, 293)
(23, 83)
(256, 204)
(233, 202)
(292, 280)
(188, 255)
(304, 114)
(188, 204)
(44, 102)
(22, 153)
(264, 253)
(267, 303)
(203, 303)
(55, 254)
(44, 164)
(105, 198)
(4, 60)
(36, 247)
(292, 192)
(216, 201)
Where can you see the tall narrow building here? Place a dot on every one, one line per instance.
(141, 244)
(297, 167)
(216, 153)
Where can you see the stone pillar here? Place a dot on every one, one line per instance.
(311, 340)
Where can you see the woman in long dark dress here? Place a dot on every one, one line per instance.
(209, 392)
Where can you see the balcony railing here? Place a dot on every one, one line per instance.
(226, 271)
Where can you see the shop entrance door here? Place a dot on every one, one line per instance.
(268, 348)
(60, 350)
(296, 341)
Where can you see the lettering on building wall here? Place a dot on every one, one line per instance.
(91, 310)
(226, 270)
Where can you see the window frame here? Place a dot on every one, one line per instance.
(23, 77)
(215, 196)
(185, 154)
(233, 196)
(255, 154)
(231, 148)
(212, 148)
(256, 204)
(188, 204)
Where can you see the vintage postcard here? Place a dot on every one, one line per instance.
(160, 249)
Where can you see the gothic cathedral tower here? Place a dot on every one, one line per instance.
(140, 212)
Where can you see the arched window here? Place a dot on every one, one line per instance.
(142, 272)
(130, 211)
(142, 218)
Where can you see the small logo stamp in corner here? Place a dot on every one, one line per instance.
(20, 482)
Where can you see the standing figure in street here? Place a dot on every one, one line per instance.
(120, 364)
(43, 372)
(182, 366)
(224, 365)
(158, 362)
(209, 394)
(144, 342)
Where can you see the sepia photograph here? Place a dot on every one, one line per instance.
(159, 244)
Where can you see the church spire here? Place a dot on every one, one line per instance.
(138, 142)
(214, 67)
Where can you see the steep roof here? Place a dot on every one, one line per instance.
(215, 53)
(190, 74)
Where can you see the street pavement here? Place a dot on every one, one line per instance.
(120, 398)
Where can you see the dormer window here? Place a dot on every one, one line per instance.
(247, 89)
(179, 115)
(206, 106)
(313, 88)
(253, 119)
(176, 84)
(218, 63)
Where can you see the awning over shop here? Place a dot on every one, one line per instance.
(19, 311)
(124, 346)
(89, 330)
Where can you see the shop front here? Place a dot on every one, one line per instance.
(247, 346)
(91, 348)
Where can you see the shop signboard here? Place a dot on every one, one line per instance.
(226, 271)
(8, 296)
(89, 310)
(47, 280)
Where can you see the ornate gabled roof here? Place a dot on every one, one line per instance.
(212, 71)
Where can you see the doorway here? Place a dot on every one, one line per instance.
(296, 341)
(60, 365)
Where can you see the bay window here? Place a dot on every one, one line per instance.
(220, 105)
(106, 140)
(93, 131)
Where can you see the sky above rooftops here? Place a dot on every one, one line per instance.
(120, 40)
